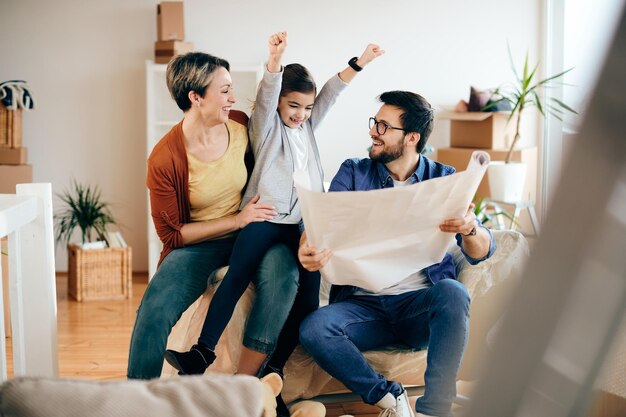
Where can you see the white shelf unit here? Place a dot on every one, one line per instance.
(163, 113)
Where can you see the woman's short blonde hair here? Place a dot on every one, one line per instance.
(191, 72)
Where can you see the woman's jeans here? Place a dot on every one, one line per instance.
(182, 278)
(435, 317)
(251, 246)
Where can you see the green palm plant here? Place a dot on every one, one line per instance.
(486, 217)
(526, 92)
(84, 210)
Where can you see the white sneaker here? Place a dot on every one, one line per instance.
(395, 407)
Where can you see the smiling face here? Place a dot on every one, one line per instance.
(295, 108)
(390, 145)
(218, 97)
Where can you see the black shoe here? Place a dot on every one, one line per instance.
(281, 407)
(193, 362)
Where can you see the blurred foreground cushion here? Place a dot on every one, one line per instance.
(210, 395)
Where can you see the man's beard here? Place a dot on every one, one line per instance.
(389, 155)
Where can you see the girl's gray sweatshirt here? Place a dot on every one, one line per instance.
(272, 177)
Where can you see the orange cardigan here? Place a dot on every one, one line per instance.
(168, 182)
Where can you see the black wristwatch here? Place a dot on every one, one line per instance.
(354, 65)
(471, 232)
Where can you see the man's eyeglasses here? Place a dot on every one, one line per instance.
(381, 127)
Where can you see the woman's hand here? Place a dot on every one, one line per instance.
(276, 45)
(372, 51)
(253, 212)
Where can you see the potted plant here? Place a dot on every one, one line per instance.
(84, 210)
(95, 272)
(524, 93)
(489, 217)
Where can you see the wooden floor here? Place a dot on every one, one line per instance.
(94, 336)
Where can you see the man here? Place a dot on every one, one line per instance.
(429, 308)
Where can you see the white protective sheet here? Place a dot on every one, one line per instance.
(380, 237)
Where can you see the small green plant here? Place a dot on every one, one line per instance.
(84, 210)
(524, 93)
(487, 217)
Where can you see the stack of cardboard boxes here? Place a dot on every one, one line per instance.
(13, 156)
(491, 133)
(170, 32)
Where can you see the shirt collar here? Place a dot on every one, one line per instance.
(417, 176)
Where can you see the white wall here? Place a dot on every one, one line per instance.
(85, 63)
(589, 28)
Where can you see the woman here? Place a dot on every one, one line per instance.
(196, 175)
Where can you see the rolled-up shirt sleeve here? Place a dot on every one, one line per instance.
(164, 206)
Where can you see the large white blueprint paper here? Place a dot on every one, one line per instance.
(380, 237)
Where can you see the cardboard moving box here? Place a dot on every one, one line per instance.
(170, 22)
(164, 51)
(484, 130)
(10, 127)
(459, 158)
(13, 156)
(11, 175)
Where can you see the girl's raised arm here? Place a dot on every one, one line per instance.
(372, 51)
(268, 93)
(328, 94)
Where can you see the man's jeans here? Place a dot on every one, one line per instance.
(182, 278)
(435, 317)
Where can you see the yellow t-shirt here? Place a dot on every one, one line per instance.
(215, 187)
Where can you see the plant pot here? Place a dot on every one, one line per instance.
(506, 181)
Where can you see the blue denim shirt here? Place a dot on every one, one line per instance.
(364, 174)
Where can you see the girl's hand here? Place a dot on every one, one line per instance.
(253, 212)
(277, 43)
(372, 52)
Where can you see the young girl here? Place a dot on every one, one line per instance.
(281, 128)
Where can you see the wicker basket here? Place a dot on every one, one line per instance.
(99, 274)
